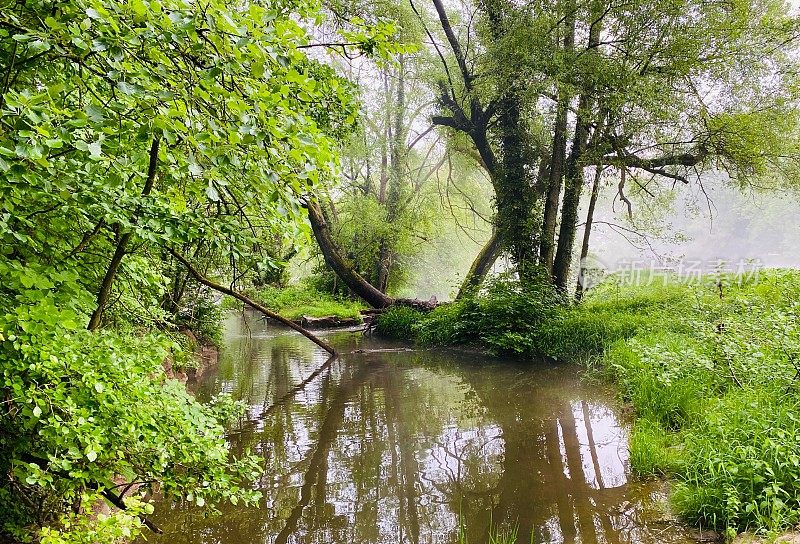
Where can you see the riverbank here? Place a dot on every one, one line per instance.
(709, 367)
(308, 306)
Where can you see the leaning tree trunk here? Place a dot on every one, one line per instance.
(587, 232)
(480, 266)
(336, 262)
(122, 245)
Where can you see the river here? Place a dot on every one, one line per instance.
(420, 446)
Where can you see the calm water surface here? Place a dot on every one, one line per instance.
(414, 446)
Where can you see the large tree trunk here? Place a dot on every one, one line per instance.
(122, 245)
(343, 270)
(515, 195)
(480, 266)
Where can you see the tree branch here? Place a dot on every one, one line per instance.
(255, 305)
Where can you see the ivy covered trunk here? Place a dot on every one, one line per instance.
(516, 221)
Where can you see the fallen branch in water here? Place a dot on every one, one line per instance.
(255, 305)
(383, 350)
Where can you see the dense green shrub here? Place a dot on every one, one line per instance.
(504, 317)
(83, 409)
(398, 322)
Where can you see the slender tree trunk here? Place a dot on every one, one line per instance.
(397, 151)
(387, 123)
(122, 244)
(587, 232)
(555, 180)
(343, 270)
(574, 178)
(480, 266)
(558, 158)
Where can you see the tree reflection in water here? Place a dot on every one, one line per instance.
(401, 447)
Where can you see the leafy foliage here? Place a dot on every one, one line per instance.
(132, 129)
(83, 409)
(398, 322)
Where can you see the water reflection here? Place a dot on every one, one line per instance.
(416, 447)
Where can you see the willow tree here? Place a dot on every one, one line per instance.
(666, 89)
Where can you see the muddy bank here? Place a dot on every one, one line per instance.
(204, 358)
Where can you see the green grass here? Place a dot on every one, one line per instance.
(712, 383)
(652, 451)
(712, 379)
(296, 301)
(506, 534)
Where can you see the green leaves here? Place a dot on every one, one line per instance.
(109, 411)
(248, 124)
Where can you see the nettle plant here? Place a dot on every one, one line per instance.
(139, 127)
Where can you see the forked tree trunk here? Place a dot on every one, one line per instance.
(547, 243)
(558, 158)
(572, 197)
(573, 184)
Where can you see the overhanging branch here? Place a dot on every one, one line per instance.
(255, 305)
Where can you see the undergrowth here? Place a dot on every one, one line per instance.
(710, 368)
(296, 301)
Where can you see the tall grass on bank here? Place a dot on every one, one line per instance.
(711, 369)
(296, 301)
